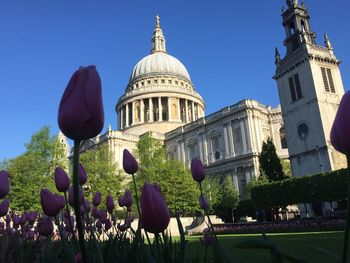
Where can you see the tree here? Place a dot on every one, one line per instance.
(103, 173)
(270, 164)
(174, 179)
(33, 170)
(226, 201)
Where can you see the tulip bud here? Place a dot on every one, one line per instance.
(4, 184)
(45, 226)
(96, 213)
(109, 203)
(197, 170)
(4, 207)
(87, 205)
(32, 216)
(203, 202)
(130, 165)
(80, 114)
(103, 217)
(206, 240)
(23, 219)
(69, 224)
(71, 196)
(341, 126)
(62, 181)
(51, 203)
(155, 215)
(108, 224)
(127, 198)
(82, 175)
(97, 199)
(15, 219)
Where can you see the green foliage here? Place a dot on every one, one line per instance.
(270, 164)
(103, 173)
(175, 180)
(33, 170)
(226, 201)
(323, 187)
(287, 170)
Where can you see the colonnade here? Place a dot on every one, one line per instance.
(158, 109)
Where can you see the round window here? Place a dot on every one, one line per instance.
(303, 130)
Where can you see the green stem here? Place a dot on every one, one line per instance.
(139, 211)
(206, 253)
(347, 226)
(76, 199)
(207, 214)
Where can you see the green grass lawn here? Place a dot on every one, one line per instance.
(312, 247)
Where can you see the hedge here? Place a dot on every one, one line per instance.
(330, 186)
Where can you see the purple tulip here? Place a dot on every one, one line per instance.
(207, 239)
(203, 202)
(69, 224)
(87, 205)
(80, 114)
(4, 184)
(32, 216)
(155, 215)
(51, 203)
(108, 224)
(97, 198)
(71, 196)
(130, 165)
(82, 175)
(341, 126)
(103, 217)
(8, 219)
(197, 170)
(61, 180)
(23, 219)
(109, 203)
(126, 200)
(96, 213)
(98, 224)
(15, 219)
(45, 226)
(4, 207)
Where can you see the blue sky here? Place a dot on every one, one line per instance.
(227, 47)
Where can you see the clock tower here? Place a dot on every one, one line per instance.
(310, 89)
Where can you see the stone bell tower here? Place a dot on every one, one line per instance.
(310, 89)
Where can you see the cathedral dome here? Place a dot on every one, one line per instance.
(160, 95)
(159, 63)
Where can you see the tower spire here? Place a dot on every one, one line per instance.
(158, 39)
(277, 56)
(327, 42)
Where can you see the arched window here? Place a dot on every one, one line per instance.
(283, 138)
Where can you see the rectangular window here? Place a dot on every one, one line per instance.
(295, 88)
(327, 79)
(292, 89)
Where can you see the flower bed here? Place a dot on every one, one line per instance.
(304, 225)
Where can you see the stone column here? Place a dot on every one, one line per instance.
(230, 138)
(179, 109)
(120, 119)
(205, 148)
(169, 109)
(133, 119)
(127, 115)
(142, 115)
(150, 110)
(244, 141)
(200, 146)
(160, 109)
(227, 149)
(186, 109)
(193, 115)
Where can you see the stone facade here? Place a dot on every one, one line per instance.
(160, 98)
(229, 141)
